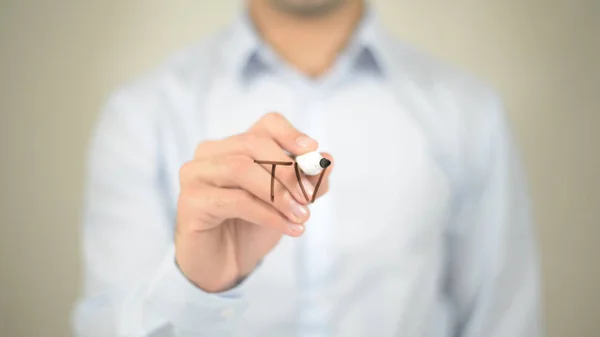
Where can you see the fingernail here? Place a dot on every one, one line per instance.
(298, 210)
(296, 229)
(305, 142)
(308, 187)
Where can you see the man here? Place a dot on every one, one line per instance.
(420, 228)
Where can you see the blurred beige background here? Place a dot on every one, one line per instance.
(60, 59)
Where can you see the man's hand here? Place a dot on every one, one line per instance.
(226, 222)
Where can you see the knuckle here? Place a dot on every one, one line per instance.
(273, 117)
(186, 170)
(244, 138)
(202, 148)
(247, 137)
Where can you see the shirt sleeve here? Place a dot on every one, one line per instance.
(132, 285)
(493, 278)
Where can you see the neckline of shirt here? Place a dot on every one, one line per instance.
(248, 56)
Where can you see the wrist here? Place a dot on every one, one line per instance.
(206, 277)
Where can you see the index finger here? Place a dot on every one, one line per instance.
(285, 134)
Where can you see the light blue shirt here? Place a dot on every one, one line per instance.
(426, 230)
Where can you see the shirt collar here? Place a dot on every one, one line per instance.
(247, 55)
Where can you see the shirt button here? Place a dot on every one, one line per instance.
(227, 313)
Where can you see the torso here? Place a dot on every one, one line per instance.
(370, 261)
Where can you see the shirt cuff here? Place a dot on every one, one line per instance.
(190, 308)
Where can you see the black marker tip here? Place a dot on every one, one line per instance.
(324, 162)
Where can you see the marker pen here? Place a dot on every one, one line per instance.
(312, 163)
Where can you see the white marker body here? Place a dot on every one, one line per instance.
(309, 163)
